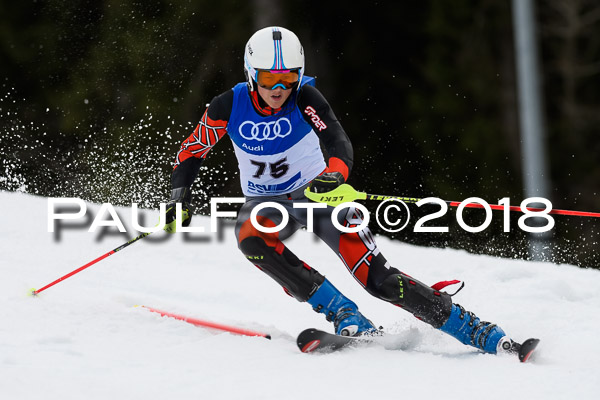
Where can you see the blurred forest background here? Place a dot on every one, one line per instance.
(97, 95)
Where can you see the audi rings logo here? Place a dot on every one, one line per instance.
(265, 130)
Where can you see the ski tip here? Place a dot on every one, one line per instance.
(311, 346)
(33, 292)
(306, 342)
(316, 341)
(527, 349)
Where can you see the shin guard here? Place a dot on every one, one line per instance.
(425, 303)
(297, 278)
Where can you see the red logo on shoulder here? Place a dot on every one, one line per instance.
(315, 118)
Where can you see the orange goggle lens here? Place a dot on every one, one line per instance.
(273, 79)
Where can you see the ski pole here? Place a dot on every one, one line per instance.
(345, 193)
(35, 292)
(209, 324)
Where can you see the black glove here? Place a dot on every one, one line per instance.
(326, 182)
(181, 195)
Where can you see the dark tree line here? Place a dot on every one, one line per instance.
(97, 95)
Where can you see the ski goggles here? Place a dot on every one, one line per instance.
(272, 79)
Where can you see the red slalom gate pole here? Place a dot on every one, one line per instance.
(345, 193)
(35, 292)
(209, 324)
(515, 208)
(498, 207)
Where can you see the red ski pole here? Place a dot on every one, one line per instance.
(35, 292)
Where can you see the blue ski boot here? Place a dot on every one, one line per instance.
(468, 329)
(340, 310)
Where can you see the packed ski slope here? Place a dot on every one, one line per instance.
(83, 338)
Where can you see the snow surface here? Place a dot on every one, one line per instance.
(84, 339)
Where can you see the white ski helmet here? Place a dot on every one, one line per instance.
(273, 48)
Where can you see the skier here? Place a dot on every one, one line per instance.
(276, 120)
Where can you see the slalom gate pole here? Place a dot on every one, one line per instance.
(209, 324)
(35, 292)
(345, 193)
(492, 206)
